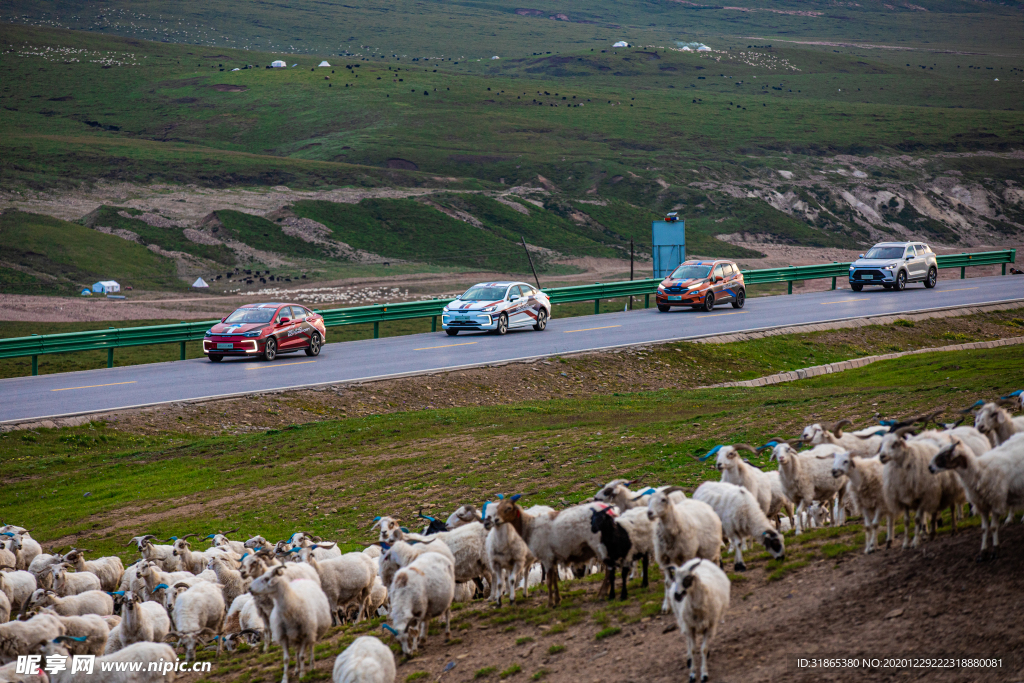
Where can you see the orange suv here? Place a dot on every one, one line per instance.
(702, 285)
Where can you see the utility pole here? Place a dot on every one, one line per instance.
(631, 272)
(530, 259)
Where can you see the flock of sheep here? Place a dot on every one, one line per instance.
(291, 592)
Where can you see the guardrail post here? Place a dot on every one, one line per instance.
(833, 283)
(433, 323)
(790, 288)
(597, 306)
(963, 272)
(376, 329)
(35, 365)
(182, 350)
(647, 300)
(1004, 269)
(110, 357)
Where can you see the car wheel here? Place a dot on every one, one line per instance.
(856, 288)
(451, 333)
(502, 327)
(663, 308)
(542, 320)
(901, 281)
(741, 298)
(215, 358)
(314, 345)
(270, 350)
(709, 302)
(933, 278)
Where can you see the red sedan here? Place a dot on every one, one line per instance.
(266, 330)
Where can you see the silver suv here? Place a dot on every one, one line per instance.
(893, 265)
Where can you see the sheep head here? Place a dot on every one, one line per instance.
(255, 542)
(660, 502)
(782, 449)
(952, 457)
(894, 444)
(600, 515)
(991, 418)
(390, 529)
(842, 463)
(684, 579)
(774, 544)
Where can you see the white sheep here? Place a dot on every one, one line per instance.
(221, 540)
(231, 580)
(780, 501)
(344, 580)
(468, 544)
(682, 531)
(402, 554)
(908, 486)
(19, 637)
(90, 602)
(863, 442)
(865, 487)
(366, 660)
(465, 514)
(617, 493)
(556, 537)
(301, 614)
(418, 593)
(109, 569)
(805, 477)
(194, 561)
(741, 517)
(510, 558)
(257, 565)
(141, 621)
(20, 586)
(41, 568)
(993, 483)
(162, 555)
(24, 546)
(198, 615)
(700, 599)
(158, 663)
(5, 604)
(89, 633)
(736, 470)
(72, 583)
(994, 420)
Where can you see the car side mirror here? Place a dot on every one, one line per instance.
(458, 296)
(223, 319)
(285, 321)
(907, 257)
(860, 255)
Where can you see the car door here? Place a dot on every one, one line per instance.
(516, 309)
(915, 263)
(301, 330)
(531, 306)
(718, 285)
(731, 281)
(286, 336)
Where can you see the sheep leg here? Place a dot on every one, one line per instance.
(625, 579)
(609, 578)
(705, 647)
(668, 589)
(552, 577)
(284, 651)
(906, 529)
(448, 624)
(952, 517)
(995, 535)
(312, 654)
(738, 563)
(984, 537)
(799, 515)
(645, 561)
(691, 642)
(510, 578)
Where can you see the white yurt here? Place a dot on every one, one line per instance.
(323, 63)
(200, 283)
(621, 43)
(278, 64)
(106, 287)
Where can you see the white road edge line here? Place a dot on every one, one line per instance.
(414, 373)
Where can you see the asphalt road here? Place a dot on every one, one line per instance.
(76, 393)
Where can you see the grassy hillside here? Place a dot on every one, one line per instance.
(171, 238)
(259, 232)
(66, 257)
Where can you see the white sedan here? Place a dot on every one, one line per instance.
(497, 307)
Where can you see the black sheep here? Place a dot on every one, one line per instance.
(619, 549)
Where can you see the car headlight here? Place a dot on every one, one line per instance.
(254, 333)
(696, 286)
(209, 332)
(889, 267)
(661, 288)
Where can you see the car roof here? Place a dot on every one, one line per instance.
(706, 262)
(503, 283)
(267, 305)
(895, 244)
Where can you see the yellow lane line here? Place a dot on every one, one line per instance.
(962, 289)
(844, 301)
(588, 329)
(446, 346)
(279, 365)
(715, 315)
(93, 386)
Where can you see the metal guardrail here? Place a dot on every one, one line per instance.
(112, 338)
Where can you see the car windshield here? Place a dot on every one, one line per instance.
(685, 272)
(884, 253)
(251, 315)
(481, 293)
